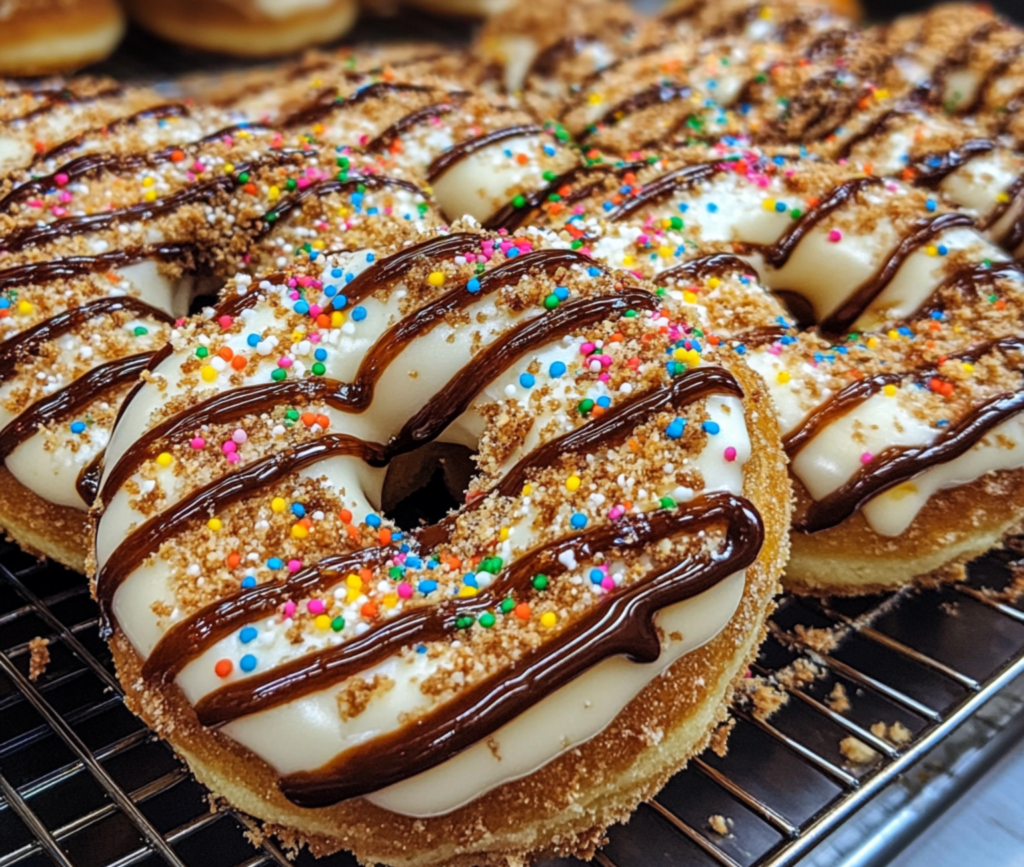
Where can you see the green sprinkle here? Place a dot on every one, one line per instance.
(343, 162)
(465, 621)
(630, 314)
(492, 565)
(549, 176)
(243, 178)
(676, 223)
(270, 217)
(292, 415)
(576, 245)
(487, 620)
(518, 201)
(202, 352)
(338, 624)
(395, 572)
(319, 369)
(667, 503)
(507, 605)
(290, 184)
(278, 374)
(551, 301)
(540, 582)
(796, 213)
(585, 406)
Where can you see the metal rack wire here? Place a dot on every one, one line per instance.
(83, 783)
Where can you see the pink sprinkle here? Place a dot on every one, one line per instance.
(229, 448)
(316, 606)
(35, 203)
(314, 337)
(239, 436)
(225, 321)
(58, 211)
(775, 349)
(315, 310)
(197, 443)
(289, 610)
(294, 565)
(730, 454)
(608, 583)
(284, 361)
(616, 512)
(835, 236)
(604, 377)
(587, 348)
(198, 167)
(61, 178)
(405, 590)
(867, 458)
(65, 197)
(303, 183)
(303, 281)
(234, 458)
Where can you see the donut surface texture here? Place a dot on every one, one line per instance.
(40, 37)
(565, 640)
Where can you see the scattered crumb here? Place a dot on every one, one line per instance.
(856, 751)
(765, 698)
(896, 734)
(719, 824)
(838, 700)
(39, 657)
(952, 608)
(800, 673)
(720, 738)
(255, 835)
(822, 640)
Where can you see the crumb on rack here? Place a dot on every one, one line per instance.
(765, 697)
(838, 700)
(856, 751)
(39, 657)
(719, 824)
(896, 734)
(822, 640)
(719, 742)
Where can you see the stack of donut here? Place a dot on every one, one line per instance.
(709, 298)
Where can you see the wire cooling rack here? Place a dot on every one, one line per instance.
(84, 783)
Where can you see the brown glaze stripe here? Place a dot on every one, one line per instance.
(872, 130)
(460, 150)
(174, 109)
(510, 217)
(958, 57)
(922, 232)
(932, 169)
(330, 100)
(899, 463)
(15, 350)
(703, 267)
(664, 185)
(545, 63)
(64, 98)
(88, 482)
(78, 394)
(76, 266)
(656, 94)
(622, 626)
(436, 109)
(288, 205)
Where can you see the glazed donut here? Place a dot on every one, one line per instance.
(251, 585)
(844, 94)
(105, 242)
(902, 410)
(249, 28)
(39, 37)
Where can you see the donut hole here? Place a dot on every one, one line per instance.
(425, 485)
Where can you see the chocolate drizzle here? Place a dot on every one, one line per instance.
(330, 100)
(288, 205)
(664, 185)
(408, 121)
(460, 150)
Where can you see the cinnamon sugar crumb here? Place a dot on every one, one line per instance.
(39, 657)
(353, 700)
(719, 824)
(856, 751)
(719, 742)
(838, 700)
(897, 734)
(822, 640)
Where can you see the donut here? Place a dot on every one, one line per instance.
(40, 37)
(897, 376)
(247, 28)
(105, 241)
(240, 547)
(794, 73)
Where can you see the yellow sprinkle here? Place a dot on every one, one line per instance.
(503, 534)
(318, 245)
(968, 367)
(299, 531)
(1002, 197)
(274, 193)
(628, 260)
(595, 99)
(782, 377)
(872, 343)
(436, 278)
(714, 283)
(573, 483)
(354, 581)
(466, 591)
(692, 358)
(881, 94)
(679, 354)
(932, 250)
(148, 182)
(337, 319)
(278, 504)
(390, 600)
(318, 128)
(297, 335)
(215, 524)
(208, 373)
(768, 204)
(317, 82)
(351, 595)
(322, 621)
(666, 223)
(164, 459)
(527, 490)
(548, 619)
(229, 168)
(894, 334)
(25, 307)
(664, 252)
(690, 297)
(890, 390)
(765, 13)
(149, 195)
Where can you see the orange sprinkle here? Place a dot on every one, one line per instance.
(346, 516)
(234, 558)
(239, 362)
(353, 531)
(522, 611)
(323, 320)
(366, 575)
(522, 159)
(223, 668)
(369, 610)
(226, 352)
(308, 419)
(628, 504)
(384, 536)
(634, 445)
(323, 421)
(177, 156)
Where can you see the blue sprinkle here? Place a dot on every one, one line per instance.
(593, 271)
(247, 634)
(320, 354)
(604, 402)
(711, 427)
(274, 563)
(298, 510)
(578, 521)
(336, 273)
(414, 562)
(741, 350)
(404, 548)
(370, 257)
(77, 427)
(373, 520)
(549, 150)
(596, 576)
(779, 160)
(247, 663)
(469, 579)
(253, 340)
(359, 314)
(330, 290)
(507, 153)
(561, 292)
(4, 303)
(249, 581)
(349, 278)
(526, 380)
(557, 369)
(683, 208)
(675, 428)
(607, 206)
(930, 205)
(339, 302)
(396, 535)
(942, 422)
(428, 586)
(421, 649)
(780, 207)
(473, 285)
(712, 208)
(906, 332)
(937, 314)
(943, 249)
(512, 252)
(432, 564)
